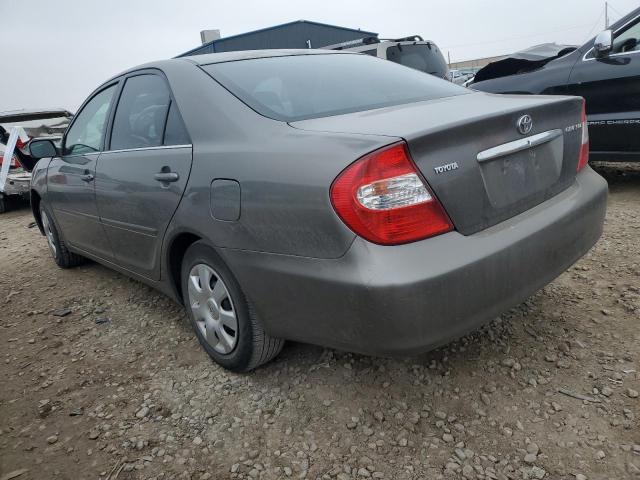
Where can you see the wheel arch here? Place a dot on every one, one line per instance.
(176, 249)
(36, 199)
(38, 189)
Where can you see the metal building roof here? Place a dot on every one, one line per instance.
(287, 35)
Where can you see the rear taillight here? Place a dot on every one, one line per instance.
(15, 163)
(382, 198)
(583, 160)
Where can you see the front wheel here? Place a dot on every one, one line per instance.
(59, 251)
(220, 315)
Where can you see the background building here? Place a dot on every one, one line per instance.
(298, 34)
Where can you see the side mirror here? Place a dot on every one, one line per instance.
(603, 44)
(42, 148)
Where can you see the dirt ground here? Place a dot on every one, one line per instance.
(102, 378)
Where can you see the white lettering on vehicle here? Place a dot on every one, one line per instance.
(446, 168)
(630, 121)
(573, 128)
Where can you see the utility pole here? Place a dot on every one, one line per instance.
(449, 58)
(606, 15)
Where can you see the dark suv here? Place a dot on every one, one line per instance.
(606, 72)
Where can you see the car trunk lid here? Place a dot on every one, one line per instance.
(469, 149)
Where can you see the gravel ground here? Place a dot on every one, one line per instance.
(102, 378)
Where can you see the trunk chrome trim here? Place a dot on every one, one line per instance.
(518, 145)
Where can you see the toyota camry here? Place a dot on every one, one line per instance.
(324, 197)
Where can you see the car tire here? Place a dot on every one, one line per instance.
(59, 251)
(221, 316)
(3, 203)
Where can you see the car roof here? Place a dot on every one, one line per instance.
(211, 58)
(383, 43)
(220, 57)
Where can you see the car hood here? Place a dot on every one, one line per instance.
(524, 61)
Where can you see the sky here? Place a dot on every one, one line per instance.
(55, 52)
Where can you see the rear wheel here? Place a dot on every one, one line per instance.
(59, 251)
(3, 203)
(220, 314)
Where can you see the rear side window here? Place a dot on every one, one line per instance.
(175, 133)
(141, 113)
(310, 86)
(87, 132)
(424, 57)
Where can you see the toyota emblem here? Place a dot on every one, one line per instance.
(524, 124)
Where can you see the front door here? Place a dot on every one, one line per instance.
(70, 189)
(140, 179)
(611, 87)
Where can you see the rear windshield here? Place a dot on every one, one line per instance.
(310, 86)
(424, 57)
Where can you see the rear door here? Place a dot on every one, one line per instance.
(140, 179)
(611, 86)
(70, 186)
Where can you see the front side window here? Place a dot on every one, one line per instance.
(141, 113)
(298, 87)
(627, 41)
(87, 132)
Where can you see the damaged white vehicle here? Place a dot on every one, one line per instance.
(17, 128)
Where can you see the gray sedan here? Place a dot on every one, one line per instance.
(323, 197)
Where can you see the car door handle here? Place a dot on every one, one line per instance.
(166, 177)
(87, 177)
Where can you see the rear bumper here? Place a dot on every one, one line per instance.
(17, 184)
(411, 298)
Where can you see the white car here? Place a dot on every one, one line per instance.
(459, 77)
(413, 51)
(15, 179)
